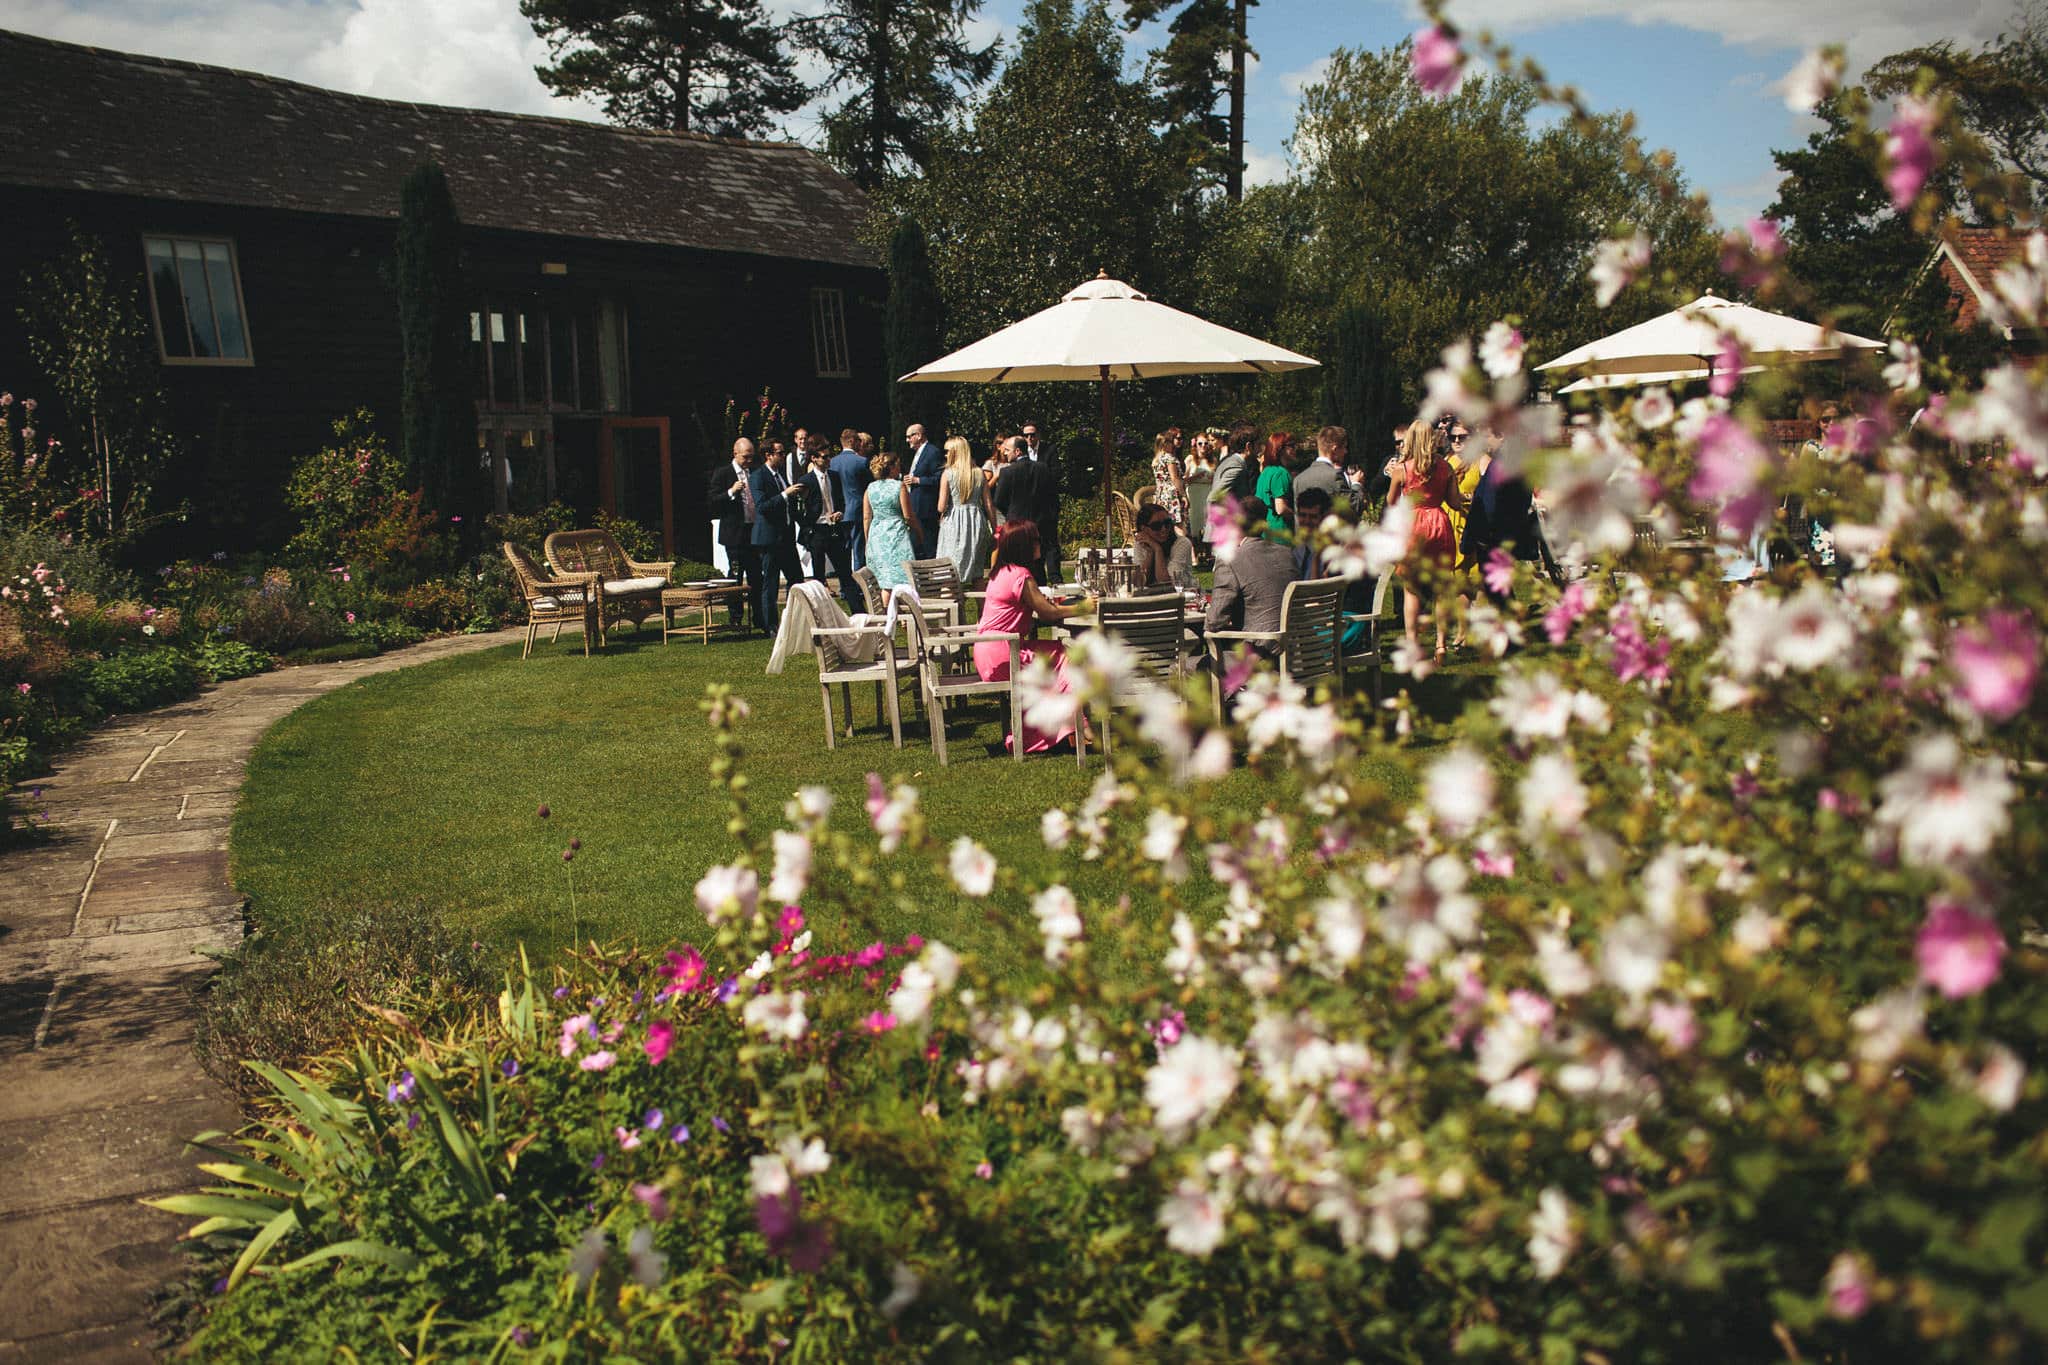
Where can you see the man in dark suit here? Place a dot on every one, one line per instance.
(851, 472)
(1022, 493)
(927, 467)
(774, 538)
(1326, 471)
(828, 524)
(731, 503)
(1503, 513)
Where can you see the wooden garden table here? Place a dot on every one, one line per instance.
(702, 599)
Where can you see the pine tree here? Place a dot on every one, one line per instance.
(904, 63)
(713, 66)
(913, 330)
(1202, 64)
(438, 420)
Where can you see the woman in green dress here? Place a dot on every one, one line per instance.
(1276, 485)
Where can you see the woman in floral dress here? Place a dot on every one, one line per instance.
(1169, 480)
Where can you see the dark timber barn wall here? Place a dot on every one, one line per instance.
(701, 259)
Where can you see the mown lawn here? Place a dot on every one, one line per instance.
(422, 785)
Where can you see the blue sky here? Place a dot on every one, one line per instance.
(1699, 76)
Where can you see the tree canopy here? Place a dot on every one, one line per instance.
(713, 66)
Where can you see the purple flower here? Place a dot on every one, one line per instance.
(508, 1068)
(412, 1119)
(561, 992)
(1909, 152)
(728, 988)
(654, 1119)
(1499, 572)
(1995, 663)
(401, 1090)
(1959, 950)
(1729, 471)
(1437, 62)
(597, 1162)
(679, 1134)
(720, 1124)
(652, 1198)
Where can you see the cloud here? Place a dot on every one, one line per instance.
(1263, 167)
(1297, 82)
(1749, 80)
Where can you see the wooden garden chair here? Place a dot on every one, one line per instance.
(943, 677)
(1308, 644)
(628, 588)
(887, 671)
(1369, 654)
(1155, 629)
(1123, 520)
(553, 599)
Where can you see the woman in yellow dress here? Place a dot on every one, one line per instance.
(1467, 468)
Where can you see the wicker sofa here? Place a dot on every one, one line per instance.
(627, 589)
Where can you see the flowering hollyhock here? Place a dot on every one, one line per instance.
(1428, 910)
(1811, 631)
(1813, 79)
(1999, 1082)
(1369, 551)
(1498, 573)
(1437, 62)
(804, 1243)
(1996, 663)
(1059, 921)
(973, 868)
(1632, 954)
(1193, 1218)
(1888, 1025)
(2012, 408)
(777, 1015)
(792, 875)
(1551, 1239)
(1162, 843)
(1942, 806)
(1634, 655)
(1731, 464)
(1593, 501)
(1749, 252)
(1459, 789)
(723, 890)
(1909, 152)
(1653, 409)
(1226, 527)
(1574, 602)
(1848, 1287)
(1959, 950)
(1190, 1084)
(1551, 796)
(1728, 366)
(1904, 370)
(1616, 264)
(1500, 350)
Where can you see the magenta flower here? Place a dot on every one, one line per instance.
(1493, 862)
(661, 1036)
(985, 1171)
(1573, 603)
(1499, 572)
(880, 1021)
(1729, 471)
(1848, 1287)
(1747, 253)
(878, 797)
(1959, 949)
(789, 923)
(1727, 369)
(1995, 663)
(1437, 61)
(687, 969)
(1909, 152)
(23, 688)
(652, 1198)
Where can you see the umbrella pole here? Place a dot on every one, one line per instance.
(1107, 447)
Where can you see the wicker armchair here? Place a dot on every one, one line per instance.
(1123, 520)
(555, 600)
(628, 589)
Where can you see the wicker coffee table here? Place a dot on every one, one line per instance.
(678, 603)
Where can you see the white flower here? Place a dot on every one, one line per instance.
(587, 1257)
(1048, 704)
(973, 867)
(1270, 709)
(1518, 1093)
(1184, 960)
(1888, 1025)
(1592, 500)
(1399, 1215)
(1551, 1239)
(911, 1001)
(149, 630)
(2012, 407)
(892, 822)
(1212, 759)
(643, 1262)
(1193, 1218)
(1190, 1083)
(1999, 1082)
(1533, 705)
(1942, 806)
(943, 962)
(1363, 551)
(1812, 80)
(1447, 389)
(1056, 827)
(1059, 920)
(1904, 371)
(1162, 843)
(1616, 263)
(792, 875)
(1500, 351)
(723, 890)
(768, 1177)
(1500, 1051)
(1811, 630)
(1653, 409)
(1632, 954)
(1427, 910)
(777, 1015)
(1459, 788)
(760, 967)
(904, 1287)
(1551, 796)
(1564, 972)
(1755, 931)
(805, 1158)
(810, 808)
(1340, 923)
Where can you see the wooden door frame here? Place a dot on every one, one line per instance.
(607, 488)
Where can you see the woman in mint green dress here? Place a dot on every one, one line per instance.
(888, 524)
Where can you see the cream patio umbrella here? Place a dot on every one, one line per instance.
(1685, 344)
(1106, 330)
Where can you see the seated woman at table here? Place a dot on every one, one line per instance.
(1015, 606)
(1166, 558)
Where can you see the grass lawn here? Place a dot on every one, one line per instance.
(421, 786)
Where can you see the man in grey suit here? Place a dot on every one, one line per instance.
(1326, 470)
(1249, 587)
(927, 467)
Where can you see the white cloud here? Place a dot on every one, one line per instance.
(1263, 167)
(1296, 83)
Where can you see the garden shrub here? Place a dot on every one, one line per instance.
(135, 680)
(225, 660)
(83, 564)
(356, 512)
(273, 613)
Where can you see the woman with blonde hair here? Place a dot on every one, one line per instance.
(966, 517)
(1424, 479)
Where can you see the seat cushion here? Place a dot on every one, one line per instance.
(557, 601)
(619, 587)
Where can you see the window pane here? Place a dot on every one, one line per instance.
(170, 300)
(198, 310)
(227, 312)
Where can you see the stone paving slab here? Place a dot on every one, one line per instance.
(105, 931)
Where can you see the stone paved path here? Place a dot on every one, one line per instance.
(102, 931)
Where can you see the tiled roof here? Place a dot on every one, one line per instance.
(1981, 251)
(87, 118)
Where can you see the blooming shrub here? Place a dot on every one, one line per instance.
(355, 510)
(1685, 1016)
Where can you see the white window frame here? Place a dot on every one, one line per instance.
(243, 361)
(828, 333)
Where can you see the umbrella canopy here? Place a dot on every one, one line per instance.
(1684, 344)
(1107, 325)
(1102, 331)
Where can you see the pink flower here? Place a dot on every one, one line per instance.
(1437, 61)
(1848, 1287)
(880, 1021)
(1727, 369)
(1909, 152)
(1748, 253)
(628, 1139)
(351, 617)
(985, 1171)
(598, 1061)
(573, 1025)
(1673, 1022)
(1959, 950)
(1729, 470)
(1499, 572)
(22, 688)
(1996, 663)
(1493, 863)
(653, 1199)
(878, 797)
(687, 969)
(1574, 603)
(790, 922)
(661, 1036)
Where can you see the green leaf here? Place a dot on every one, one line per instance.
(357, 1249)
(260, 1245)
(1755, 1170)
(2002, 1235)
(771, 1297)
(246, 1209)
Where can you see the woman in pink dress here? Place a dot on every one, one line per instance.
(1015, 606)
(1424, 478)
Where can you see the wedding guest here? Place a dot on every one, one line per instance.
(774, 532)
(1325, 471)
(1276, 482)
(1169, 483)
(1423, 478)
(966, 516)
(850, 468)
(927, 463)
(1015, 605)
(731, 504)
(828, 528)
(890, 525)
(1166, 558)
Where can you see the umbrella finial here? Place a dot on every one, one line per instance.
(1102, 274)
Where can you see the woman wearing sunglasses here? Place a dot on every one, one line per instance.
(1166, 558)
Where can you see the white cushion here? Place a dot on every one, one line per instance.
(558, 601)
(617, 586)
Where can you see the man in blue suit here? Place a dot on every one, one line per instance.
(927, 467)
(850, 474)
(774, 537)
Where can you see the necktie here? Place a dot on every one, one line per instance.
(746, 493)
(825, 490)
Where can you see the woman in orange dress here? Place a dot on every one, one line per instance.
(1424, 479)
